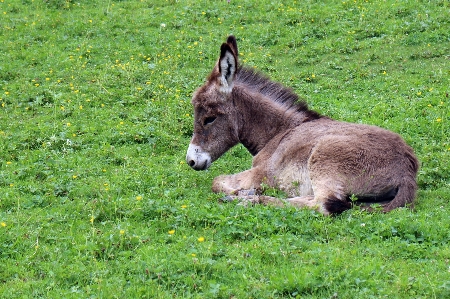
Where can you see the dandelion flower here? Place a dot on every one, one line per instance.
(138, 197)
(122, 231)
(3, 224)
(171, 232)
(184, 206)
(201, 239)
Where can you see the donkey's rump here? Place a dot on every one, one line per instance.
(352, 160)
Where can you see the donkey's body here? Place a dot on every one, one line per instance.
(319, 162)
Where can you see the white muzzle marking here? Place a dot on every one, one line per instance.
(197, 158)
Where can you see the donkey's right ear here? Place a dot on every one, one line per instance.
(228, 64)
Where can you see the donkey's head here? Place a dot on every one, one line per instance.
(215, 127)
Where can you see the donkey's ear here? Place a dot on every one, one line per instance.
(231, 40)
(228, 64)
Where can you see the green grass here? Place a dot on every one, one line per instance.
(96, 200)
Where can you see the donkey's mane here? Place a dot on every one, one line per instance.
(274, 91)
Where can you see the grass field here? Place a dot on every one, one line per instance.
(96, 200)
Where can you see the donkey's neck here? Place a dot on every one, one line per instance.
(260, 119)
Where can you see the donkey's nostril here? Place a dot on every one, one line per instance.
(191, 163)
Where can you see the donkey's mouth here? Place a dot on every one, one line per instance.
(197, 166)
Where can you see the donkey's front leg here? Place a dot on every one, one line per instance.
(246, 181)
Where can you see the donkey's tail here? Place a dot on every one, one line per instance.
(408, 185)
(405, 195)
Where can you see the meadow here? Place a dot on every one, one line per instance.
(97, 201)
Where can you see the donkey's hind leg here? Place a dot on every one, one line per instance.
(304, 202)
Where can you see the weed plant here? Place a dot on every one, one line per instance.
(96, 200)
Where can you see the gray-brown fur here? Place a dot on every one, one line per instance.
(319, 162)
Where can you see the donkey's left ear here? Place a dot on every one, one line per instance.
(228, 64)
(231, 40)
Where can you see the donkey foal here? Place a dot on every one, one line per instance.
(320, 163)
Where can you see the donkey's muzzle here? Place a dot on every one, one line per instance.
(197, 159)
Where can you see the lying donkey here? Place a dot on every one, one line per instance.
(320, 163)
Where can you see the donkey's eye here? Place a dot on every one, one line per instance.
(209, 120)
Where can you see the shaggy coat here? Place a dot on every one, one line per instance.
(320, 163)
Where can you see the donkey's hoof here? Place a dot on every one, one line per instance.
(227, 198)
(246, 192)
